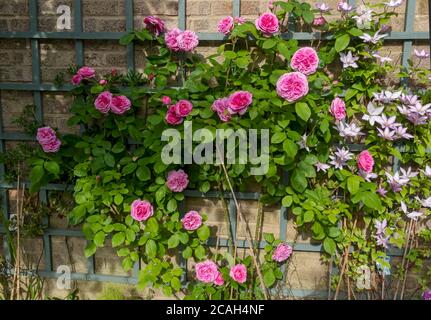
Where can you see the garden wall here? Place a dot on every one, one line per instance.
(306, 269)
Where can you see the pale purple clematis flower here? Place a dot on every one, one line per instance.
(420, 109)
(427, 171)
(386, 134)
(340, 158)
(401, 133)
(414, 215)
(408, 100)
(344, 7)
(321, 166)
(421, 54)
(303, 142)
(386, 97)
(382, 241)
(380, 226)
(427, 295)
(393, 3)
(386, 122)
(372, 39)
(323, 7)
(373, 113)
(348, 130)
(363, 17)
(367, 176)
(382, 191)
(381, 59)
(348, 60)
(408, 174)
(396, 182)
(425, 203)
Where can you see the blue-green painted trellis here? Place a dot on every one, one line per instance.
(78, 35)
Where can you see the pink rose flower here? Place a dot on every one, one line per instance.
(365, 161)
(120, 104)
(219, 281)
(141, 210)
(206, 271)
(183, 108)
(171, 39)
(103, 102)
(292, 86)
(188, 41)
(51, 146)
(226, 25)
(282, 252)
(103, 82)
(76, 79)
(338, 109)
(192, 221)
(239, 102)
(221, 107)
(45, 135)
(177, 181)
(239, 273)
(305, 60)
(267, 23)
(87, 72)
(166, 100)
(172, 118)
(319, 21)
(155, 25)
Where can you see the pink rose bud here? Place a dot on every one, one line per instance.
(338, 109)
(192, 221)
(239, 20)
(166, 100)
(172, 118)
(239, 102)
(219, 281)
(365, 161)
(282, 252)
(305, 60)
(206, 271)
(87, 72)
(183, 108)
(76, 79)
(103, 102)
(103, 82)
(141, 210)
(292, 86)
(177, 181)
(239, 273)
(319, 21)
(151, 76)
(226, 25)
(120, 105)
(267, 23)
(114, 72)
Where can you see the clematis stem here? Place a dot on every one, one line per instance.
(245, 229)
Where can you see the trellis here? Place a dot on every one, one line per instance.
(78, 35)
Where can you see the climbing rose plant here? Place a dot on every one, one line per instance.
(349, 129)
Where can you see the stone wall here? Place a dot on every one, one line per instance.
(306, 270)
